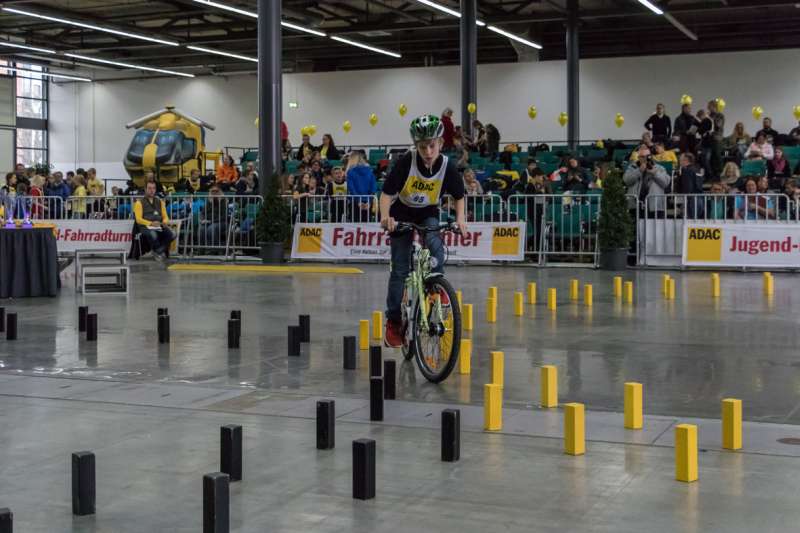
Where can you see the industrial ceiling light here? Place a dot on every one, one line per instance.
(226, 7)
(89, 26)
(26, 47)
(366, 46)
(445, 9)
(221, 53)
(301, 28)
(652, 7)
(48, 74)
(129, 65)
(514, 37)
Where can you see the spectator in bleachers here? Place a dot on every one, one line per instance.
(57, 187)
(778, 169)
(472, 187)
(10, 185)
(529, 170)
(77, 201)
(574, 177)
(791, 190)
(214, 218)
(449, 129)
(193, 184)
(360, 183)
(288, 185)
(36, 192)
(687, 180)
(316, 170)
(714, 156)
(306, 149)
(795, 135)
(751, 205)
(731, 175)
(662, 155)
(247, 184)
(94, 185)
(685, 130)
(328, 149)
(645, 142)
(336, 190)
(762, 185)
(737, 142)
(760, 148)
(533, 182)
(479, 136)
(766, 129)
(151, 218)
(227, 173)
(463, 158)
(492, 141)
(716, 204)
(659, 125)
(646, 178)
(705, 131)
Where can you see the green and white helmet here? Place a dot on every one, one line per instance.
(426, 127)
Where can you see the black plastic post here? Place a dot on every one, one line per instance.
(294, 340)
(83, 485)
(326, 420)
(451, 435)
(237, 315)
(305, 328)
(389, 380)
(6, 521)
(375, 359)
(216, 503)
(2, 319)
(233, 330)
(231, 451)
(91, 327)
(83, 310)
(163, 311)
(11, 326)
(163, 329)
(376, 399)
(363, 469)
(349, 352)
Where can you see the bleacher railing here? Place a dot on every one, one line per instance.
(322, 208)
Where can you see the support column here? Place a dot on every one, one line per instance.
(573, 81)
(469, 61)
(269, 91)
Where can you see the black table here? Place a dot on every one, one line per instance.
(28, 263)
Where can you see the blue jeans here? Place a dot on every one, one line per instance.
(159, 240)
(401, 265)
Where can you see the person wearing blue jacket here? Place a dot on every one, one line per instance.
(362, 185)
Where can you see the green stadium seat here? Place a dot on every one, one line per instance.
(547, 157)
(668, 166)
(375, 156)
(548, 168)
(559, 148)
(621, 154)
(791, 152)
(754, 167)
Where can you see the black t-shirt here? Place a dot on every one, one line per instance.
(452, 185)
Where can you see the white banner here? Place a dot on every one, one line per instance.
(99, 234)
(741, 245)
(483, 241)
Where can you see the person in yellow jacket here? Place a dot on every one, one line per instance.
(665, 156)
(151, 218)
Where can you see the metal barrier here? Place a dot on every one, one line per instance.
(479, 208)
(320, 208)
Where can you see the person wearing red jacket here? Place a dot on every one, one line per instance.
(449, 130)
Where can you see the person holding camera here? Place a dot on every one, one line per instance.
(646, 178)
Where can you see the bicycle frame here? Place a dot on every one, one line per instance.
(415, 286)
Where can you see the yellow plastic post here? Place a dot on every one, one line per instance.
(617, 286)
(492, 407)
(665, 284)
(377, 325)
(497, 368)
(715, 285)
(629, 292)
(532, 293)
(467, 317)
(769, 285)
(363, 334)
(587, 295)
(549, 386)
(573, 289)
(633, 405)
(574, 429)
(686, 453)
(731, 424)
(492, 293)
(465, 357)
(551, 299)
(519, 304)
(458, 297)
(491, 310)
(670, 289)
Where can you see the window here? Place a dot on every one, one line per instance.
(27, 94)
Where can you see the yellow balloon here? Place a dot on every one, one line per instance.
(256, 121)
(373, 119)
(619, 120)
(686, 99)
(532, 112)
(563, 118)
(304, 130)
(720, 104)
(757, 112)
(346, 126)
(796, 112)
(402, 110)
(312, 130)
(471, 107)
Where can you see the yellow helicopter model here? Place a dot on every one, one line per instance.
(169, 142)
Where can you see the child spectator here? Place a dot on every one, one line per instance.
(778, 169)
(361, 184)
(336, 190)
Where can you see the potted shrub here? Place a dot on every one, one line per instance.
(273, 224)
(615, 230)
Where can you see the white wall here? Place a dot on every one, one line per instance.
(87, 120)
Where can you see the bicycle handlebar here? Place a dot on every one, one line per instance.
(405, 227)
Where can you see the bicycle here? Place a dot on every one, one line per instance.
(431, 317)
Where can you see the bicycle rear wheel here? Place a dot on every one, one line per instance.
(436, 347)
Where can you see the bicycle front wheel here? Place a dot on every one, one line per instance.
(436, 344)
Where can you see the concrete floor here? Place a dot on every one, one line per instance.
(152, 415)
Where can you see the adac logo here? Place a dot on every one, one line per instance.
(703, 244)
(423, 186)
(505, 241)
(310, 240)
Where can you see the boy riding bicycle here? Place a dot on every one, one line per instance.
(411, 193)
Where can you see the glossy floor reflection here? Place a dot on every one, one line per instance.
(689, 353)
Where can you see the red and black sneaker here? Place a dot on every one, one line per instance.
(393, 337)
